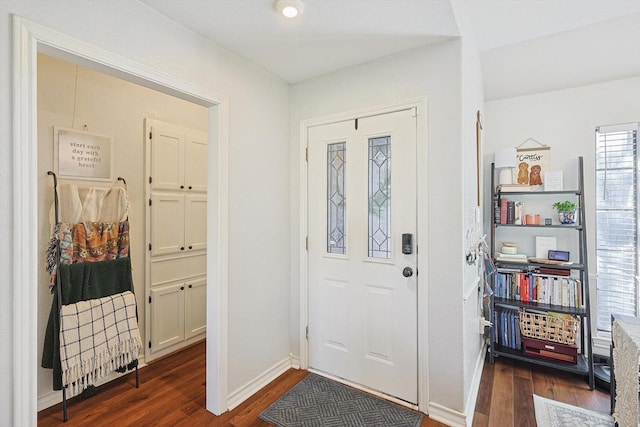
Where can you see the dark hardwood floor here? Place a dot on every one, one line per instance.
(172, 393)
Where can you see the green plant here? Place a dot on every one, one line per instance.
(565, 206)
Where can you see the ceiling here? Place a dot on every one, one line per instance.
(334, 34)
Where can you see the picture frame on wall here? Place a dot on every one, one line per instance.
(82, 155)
(531, 164)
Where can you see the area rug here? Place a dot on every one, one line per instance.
(319, 402)
(550, 413)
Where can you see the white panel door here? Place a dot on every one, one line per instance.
(195, 307)
(167, 223)
(167, 316)
(362, 199)
(196, 161)
(195, 222)
(167, 157)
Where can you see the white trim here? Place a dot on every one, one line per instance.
(28, 39)
(295, 361)
(470, 407)
(421, 107)
(253, 386)
(447, 416)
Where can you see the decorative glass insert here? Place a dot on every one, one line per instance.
(336, 198)
(380, 197)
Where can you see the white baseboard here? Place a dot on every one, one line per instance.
(295, 361)
(54, 397)
(454, 418)
(470, 408)
(249, 389)
(447, 416)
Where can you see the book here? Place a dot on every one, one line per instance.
(503, 255)
(511, 211)
(503, 211)
(519, 212)
(513, 188)
(506, 259)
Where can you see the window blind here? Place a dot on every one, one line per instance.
(616, 222)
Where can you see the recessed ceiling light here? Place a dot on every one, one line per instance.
(289, 8)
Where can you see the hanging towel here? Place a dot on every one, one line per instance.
(96, 338)
(90, 204)
(81, 282)
(87, 242)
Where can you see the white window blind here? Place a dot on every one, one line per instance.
(616, 222)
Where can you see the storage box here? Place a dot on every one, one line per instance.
(550, 350)
(562, 329)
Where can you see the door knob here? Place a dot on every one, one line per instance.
(407, 272)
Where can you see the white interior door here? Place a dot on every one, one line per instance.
(362, 199)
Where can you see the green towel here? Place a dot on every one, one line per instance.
(81, 282)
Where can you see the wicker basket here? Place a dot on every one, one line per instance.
(549, 328)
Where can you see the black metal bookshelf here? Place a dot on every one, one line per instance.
(584, 364)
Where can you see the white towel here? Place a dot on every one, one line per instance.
(90, 204)
(97, 337)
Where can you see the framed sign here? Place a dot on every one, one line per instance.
(531, 164)
(82, 155)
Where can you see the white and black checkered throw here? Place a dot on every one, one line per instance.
(97, 337)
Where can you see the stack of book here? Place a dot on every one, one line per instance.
(513, 188)
(501, 256)
(506, 330)
(508, 211)
(529, 287)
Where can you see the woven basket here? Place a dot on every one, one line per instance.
(549, 328)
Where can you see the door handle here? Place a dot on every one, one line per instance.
(407, 272)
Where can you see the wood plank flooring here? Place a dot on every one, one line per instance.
(172, 393)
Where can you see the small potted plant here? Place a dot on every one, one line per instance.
(566, 211)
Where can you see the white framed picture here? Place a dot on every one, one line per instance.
(553, 181)
(82, 155)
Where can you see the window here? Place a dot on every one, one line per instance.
(616, 222)
(380, 197)
(336, 198)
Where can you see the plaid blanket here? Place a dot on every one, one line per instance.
(97, 337)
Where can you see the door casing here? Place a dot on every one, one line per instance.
(421, 107)
(29, 38)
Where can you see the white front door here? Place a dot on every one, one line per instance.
(362, 200)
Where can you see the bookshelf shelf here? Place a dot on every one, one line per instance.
(505, 340)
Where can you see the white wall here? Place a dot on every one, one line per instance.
(435, 72)
(258, 141)
(566, 121)
(472, 103)
(108, 106)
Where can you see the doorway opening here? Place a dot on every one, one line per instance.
(29, 40)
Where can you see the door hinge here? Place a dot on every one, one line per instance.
(414, 112)
(306, 333)
(149, 246)
(356, 124)
(150, 134)
(306, 155)
(149, 344)
(150, 203)
(149, 299)
(150, 180)
(306, 243)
